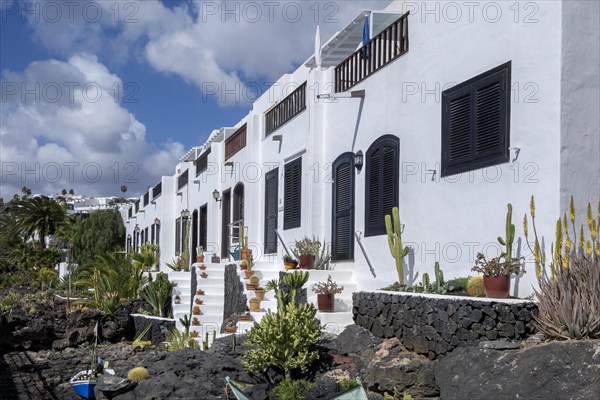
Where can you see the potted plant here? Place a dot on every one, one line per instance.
(326, 292)
(306, 250)
(215, 259)
(248, 272)
(177, 299)
(254, 304)
(196, 310)
(289, 262)
(203, 275)
(194, 333)
(202, 267)
(260, 292)
(198, 301)
(496, 274)
(244, 265)
(200, 254)
(199, 292)
(195, 321)
(254, 282)
(230, 327)
(247, 317)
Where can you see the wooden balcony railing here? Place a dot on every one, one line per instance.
(235, 142)
(287, 109)
(384, 48)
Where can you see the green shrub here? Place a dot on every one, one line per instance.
(9, 301)
(289, 389)
(569, 302)
(178, 340)
(138, 374)
(158, 294)
(347, 383)
(462, 282)
(475, 286)
(284, 341)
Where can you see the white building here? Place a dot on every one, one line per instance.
(458, 109)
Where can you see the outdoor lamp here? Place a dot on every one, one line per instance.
(137, 228)
(358, 160)
(185, 213)
(157, 221)
(216, 195)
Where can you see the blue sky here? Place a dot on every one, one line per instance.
(92, 90)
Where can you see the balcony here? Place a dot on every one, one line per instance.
(235, 142)
(182, 179)
(287, 109)
(202, 163)
(156, 190)
(384, 48)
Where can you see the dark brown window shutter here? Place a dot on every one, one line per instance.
(292, 197)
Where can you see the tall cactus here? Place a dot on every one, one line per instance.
(426, 282)
(439, 277)
(394, 235)
(510, 234)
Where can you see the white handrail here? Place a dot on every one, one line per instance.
(357, 235)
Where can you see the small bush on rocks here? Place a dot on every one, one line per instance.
(289, 389)
(138, 374)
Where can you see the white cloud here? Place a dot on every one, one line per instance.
(80, 137)
(226, 43)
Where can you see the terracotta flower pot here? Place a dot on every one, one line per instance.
(202, 267)
(260, 294)
(290, 264)
(246, 318)
(251, 286)
(326, 302)
(248, 274)
(230, 329)
(307, 261)
(204, 275)
(254, 305)
(198, 301)
(199, 292)
(199, 259)
(496, 287)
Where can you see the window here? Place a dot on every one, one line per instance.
(292, 195)
(157, 190)
(202, 162)
(146, 198)
(271, 189)
(235, 142)
(476, 122)
(178, 236)
(182, 179)
(381, 186)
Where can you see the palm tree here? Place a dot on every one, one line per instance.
(39, 215)
(123, 188)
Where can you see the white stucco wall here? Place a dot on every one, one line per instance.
(580, 106)
(447, 219)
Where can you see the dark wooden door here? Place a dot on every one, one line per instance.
(271, 189)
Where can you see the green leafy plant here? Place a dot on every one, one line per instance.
(497, 266)
(138, 374)
(394, 236)
(322, 259)
(178, 265)
(306, 246)
(158, 294)
(347, 383)
(138, 342)
(284, 341)
(185, 322)
(327, 287)
(289, 389)
(178, 340)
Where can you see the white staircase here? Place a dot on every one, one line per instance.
(333, 322)
(212, 301)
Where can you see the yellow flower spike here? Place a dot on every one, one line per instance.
(525, 226)
(588, 248)
(589, 216)
(597, 249)
(581, 237)
(559, 242)
(572, 210)
(538, 271)
(594, 230)
(532, 207)
(568, 245)
(565, 224)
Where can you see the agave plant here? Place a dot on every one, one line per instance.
(158, 294)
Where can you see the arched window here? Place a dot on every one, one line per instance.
(381, 186)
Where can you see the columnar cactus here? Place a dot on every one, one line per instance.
(510, 233)
(426, 282)
(439, 277)
(394, 235)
